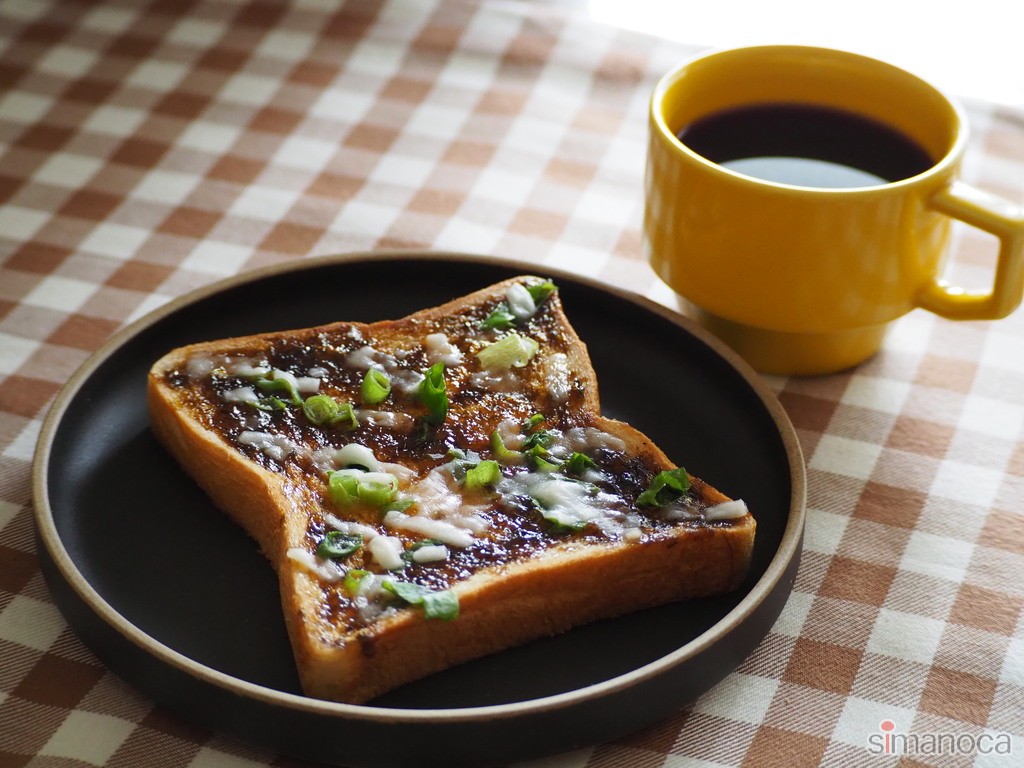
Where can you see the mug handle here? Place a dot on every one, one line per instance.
(1000, 218)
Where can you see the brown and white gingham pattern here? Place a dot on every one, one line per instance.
(146, 149)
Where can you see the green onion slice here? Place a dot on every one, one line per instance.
(320, 409)
(349, 486)
(500, 319)
(377, 493)
(533, 421)
(398, 505)
(486, 474)
(268, 404)
(442, 605)
(343, 489)
(540, 292)
(510, 351)
(346, 418)
(336, 545)
(535, 447)
(281, 382)
(540, 439)
(542, 461)
(560, 522)
(665, 488)
(324, 410)
(503, 454)
(433, 393)
(353, 578)
(411, 548)
(376, 387)
(578, 462)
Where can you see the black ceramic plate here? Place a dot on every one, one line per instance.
(179, 602)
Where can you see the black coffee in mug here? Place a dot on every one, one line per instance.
(806, 145)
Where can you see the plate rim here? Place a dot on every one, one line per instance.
(790, 546)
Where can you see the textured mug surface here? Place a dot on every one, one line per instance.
(802, 279)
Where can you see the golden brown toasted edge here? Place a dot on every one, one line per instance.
(246, 492)
(506, 607)
(424, 317)
(499, 607)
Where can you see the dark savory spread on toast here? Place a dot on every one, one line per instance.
(438, 446)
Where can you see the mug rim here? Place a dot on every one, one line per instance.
(940, 167)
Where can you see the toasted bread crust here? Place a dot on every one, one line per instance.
(502, 604)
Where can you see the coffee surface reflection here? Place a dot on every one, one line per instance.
(806, 145)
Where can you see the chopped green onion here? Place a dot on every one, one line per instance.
(325, 410)
(510, 351)
(406, 590)
(560, 522)
(536, 451)
(666, 487)
(485, 474)
(321, 409)
(459, 462)
(414, 545)
(346, 418)
(433, 393)
(343, 488)
(559, 517)
(503, 454)
(353, 578)
(542, 461)
(578, 462)
(337, 544)
(500, 319)
(442, 605)
(411, 548)
(398, 505)
(348, 486)
(281, 382)
(540, 439)
(376, 387)
(563, 502)
(533, 421)
(540, 292)
(268, 404)
(377, 493)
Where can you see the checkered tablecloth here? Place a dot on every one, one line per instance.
(147, 149)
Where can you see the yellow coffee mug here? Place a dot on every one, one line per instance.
(806, 279)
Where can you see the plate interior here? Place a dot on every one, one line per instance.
(154, 548)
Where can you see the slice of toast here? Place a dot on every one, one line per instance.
(440, 487)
